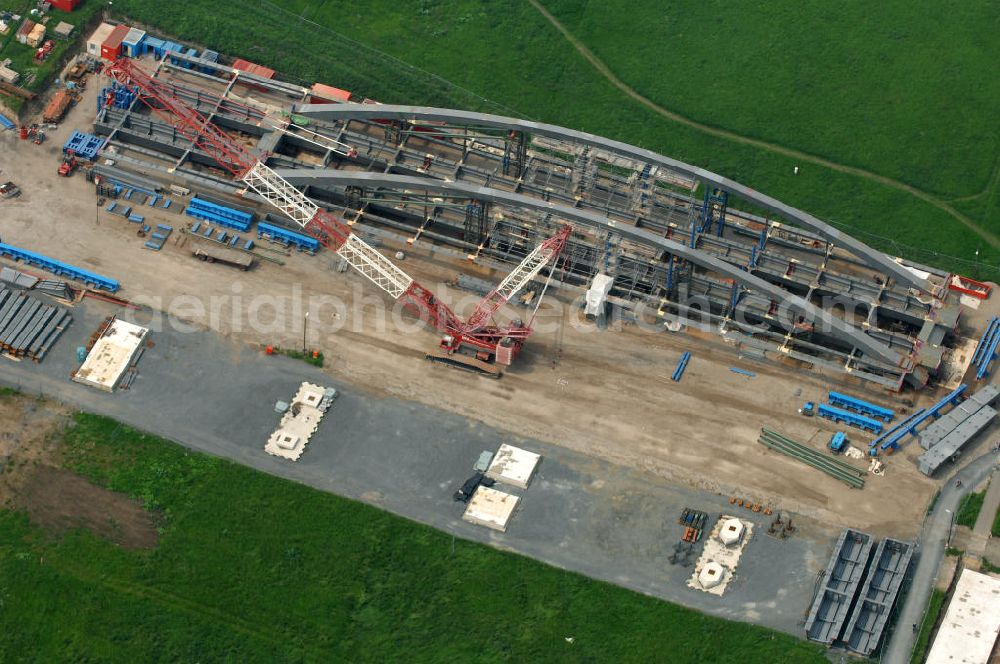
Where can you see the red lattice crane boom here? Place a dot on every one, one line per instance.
(487, 341)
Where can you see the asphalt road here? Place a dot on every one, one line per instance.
(932, 544)
(579, 513)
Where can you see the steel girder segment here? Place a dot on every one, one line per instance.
(876, 259)
(845, 331)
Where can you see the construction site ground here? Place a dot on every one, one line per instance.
(625, 447)
(580, 512)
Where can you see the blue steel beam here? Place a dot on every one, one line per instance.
(892, 438)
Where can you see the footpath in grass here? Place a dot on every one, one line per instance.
(249, 567)
(508, 59)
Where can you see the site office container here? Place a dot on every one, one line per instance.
(255, 69)
(98, 38)
(134, 43)
(327, 94)
(111, 49)
(24, 31)
(37, 36)
(65, 5)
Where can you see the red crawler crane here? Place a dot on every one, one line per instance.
(476, 344)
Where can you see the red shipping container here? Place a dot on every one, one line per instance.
(112, 46)
(256, 70)
(321, 94)
(65, 5)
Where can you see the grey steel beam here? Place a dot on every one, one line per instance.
(845, 331)
(418, 114)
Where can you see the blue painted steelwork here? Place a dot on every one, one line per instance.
(838, 441)
(847, 417)
(743, 372)
(5, 122)
(286, 237)
(860, 406)
(987, 356)
(58, 267)
(154, 45)
(193, 53)
(984, 341)
(681, 366)
(84, 146)
(219, 214)
(122, 97)
(734, 299)
(892, 438)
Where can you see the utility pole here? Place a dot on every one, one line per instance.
(305, 326)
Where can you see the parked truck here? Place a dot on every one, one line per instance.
(224, 255)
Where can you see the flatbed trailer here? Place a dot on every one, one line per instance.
(224, 255)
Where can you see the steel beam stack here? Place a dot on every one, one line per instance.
(835, 468)
(28, 327)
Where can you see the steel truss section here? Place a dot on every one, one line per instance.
(418, 114)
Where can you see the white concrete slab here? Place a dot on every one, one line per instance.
(491, 508)
(298, 423)
(111, 356)
(717, 564)
(514, 466)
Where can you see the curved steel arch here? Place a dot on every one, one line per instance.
(847, 332)
(429, 114)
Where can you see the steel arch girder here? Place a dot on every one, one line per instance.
(847, 332)
(876, 259)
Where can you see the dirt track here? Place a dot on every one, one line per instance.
(609, 393)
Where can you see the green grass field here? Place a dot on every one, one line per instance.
(249, 567)
(35, 76)
(968, 509)
(862, 89)
(923, 642)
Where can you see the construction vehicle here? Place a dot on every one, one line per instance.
(9, 190)
(68, 165)
(809, 409)
(43, 52)
(477, 343)
(838, 442)
(464, 494)
(223, 255)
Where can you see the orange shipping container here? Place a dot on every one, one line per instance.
(56, 109)
(321, 93)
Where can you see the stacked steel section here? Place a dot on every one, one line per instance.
(877, 596)
(828, 614)
(29, 327)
